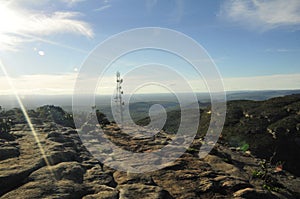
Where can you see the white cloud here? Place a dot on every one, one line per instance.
(279, 50)
(72, 2)
(102, 8)
(64, 84)
(69, 3)
(47, 84)
(263, 14)
(17, 25)
(270, 82)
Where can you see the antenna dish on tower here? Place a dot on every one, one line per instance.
(118, 98)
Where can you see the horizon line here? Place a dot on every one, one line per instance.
(198, 92)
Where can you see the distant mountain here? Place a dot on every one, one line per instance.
(259, 95)
(65, 101)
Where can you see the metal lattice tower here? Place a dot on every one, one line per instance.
(118, 99)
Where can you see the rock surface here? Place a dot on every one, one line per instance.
(54, 163)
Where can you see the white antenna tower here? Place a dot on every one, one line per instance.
(118, 98)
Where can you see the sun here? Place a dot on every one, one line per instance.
(9, 19)
(10, 23)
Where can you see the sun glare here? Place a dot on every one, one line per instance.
(10, 23)
(9, 20)
(28, 119)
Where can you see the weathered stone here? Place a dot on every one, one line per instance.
(251, 193)
(96, 175)
(234, 185)
(114, 194)
(131, 178)
(218, 164)
(56, 157)
(6, 136)
(9, 152)
(206, 185)
(129, 191)
(62, 171)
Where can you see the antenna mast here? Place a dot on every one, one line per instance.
(118, 98)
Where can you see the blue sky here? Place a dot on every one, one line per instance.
(254, 43)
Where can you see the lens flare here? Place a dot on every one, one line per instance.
(15, 92)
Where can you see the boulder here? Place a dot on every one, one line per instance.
(129, 191)
(9, 152)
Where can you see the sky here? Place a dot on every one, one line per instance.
(255, 44)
